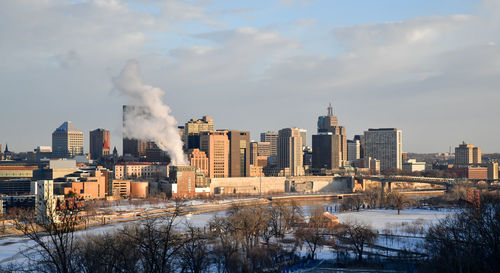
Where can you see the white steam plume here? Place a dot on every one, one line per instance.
(149, 118)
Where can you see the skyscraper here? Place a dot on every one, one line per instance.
(67, 141)
(132, 146)
(99, 143)
(386, 145)
(467, 154)
(290, 154)
(271, 137)
(215, 144)
(330, 144)
(353, 150)
(303, 134)
(192, 130)
(239, 153)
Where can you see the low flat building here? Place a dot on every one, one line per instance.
(142, 170)
(411, 165)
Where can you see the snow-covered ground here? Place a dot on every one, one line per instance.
(380, 219)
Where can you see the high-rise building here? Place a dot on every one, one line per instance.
(132, 146)
(492, 170)
(192, 130)
(199, 159)
(67, 141)
(384, 144)
(259, 151)
(467, 154)
(330, 144)
(290, 154)
(215, 144)
(353, 150)
(303, 134)
(239, 153)
(99, 143)
(254, 152)
(272, 138)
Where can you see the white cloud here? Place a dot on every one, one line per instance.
(435, 77)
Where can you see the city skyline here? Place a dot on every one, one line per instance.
(270, 72)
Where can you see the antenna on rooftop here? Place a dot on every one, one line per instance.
(330, 110)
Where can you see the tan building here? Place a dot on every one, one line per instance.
(121, 187)
(130, 188)
(199, 159)
(187, 181)
(192, 130)
(140, 170)
(215, 144)
(259, 150)
(290, 154)
(467, 154)
(492, 170)
(272, 138)
(67, 141)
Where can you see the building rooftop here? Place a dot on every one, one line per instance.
(67, 126)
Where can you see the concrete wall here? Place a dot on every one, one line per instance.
(247, 185)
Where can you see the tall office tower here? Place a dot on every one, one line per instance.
(330, 144)
(361, 139)
(99, 143)
(259, 150)
(384, 144)
(492, 170)
(254, 152)
(476, 155)
(353, 150)
(215, 144)
(132, 146)
(67, 141)
(192, 130)
(467, 154)
(303, 134)
(271, 137)
(239, 153)
(290, 154)
(199, 159)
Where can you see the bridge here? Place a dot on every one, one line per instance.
(386, 180)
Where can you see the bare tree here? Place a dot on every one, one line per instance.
(469, 241)
(157, 241)
(313, 234)
(194, 254)
(358, 235)
(54, 239)
(353, 202)
(397, 201)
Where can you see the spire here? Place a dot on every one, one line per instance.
(330, 110)
(6, 148)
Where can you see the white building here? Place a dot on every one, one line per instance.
(45, 201)
(140, 170)
(386, 145)
(353, 150)
(411, 165)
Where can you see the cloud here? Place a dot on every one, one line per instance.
(435, 77)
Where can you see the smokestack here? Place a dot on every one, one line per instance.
(151, 119)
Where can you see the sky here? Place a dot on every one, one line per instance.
(430, 68)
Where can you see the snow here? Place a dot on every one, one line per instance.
(379, 219)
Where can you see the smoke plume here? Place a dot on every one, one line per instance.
(148, 117)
